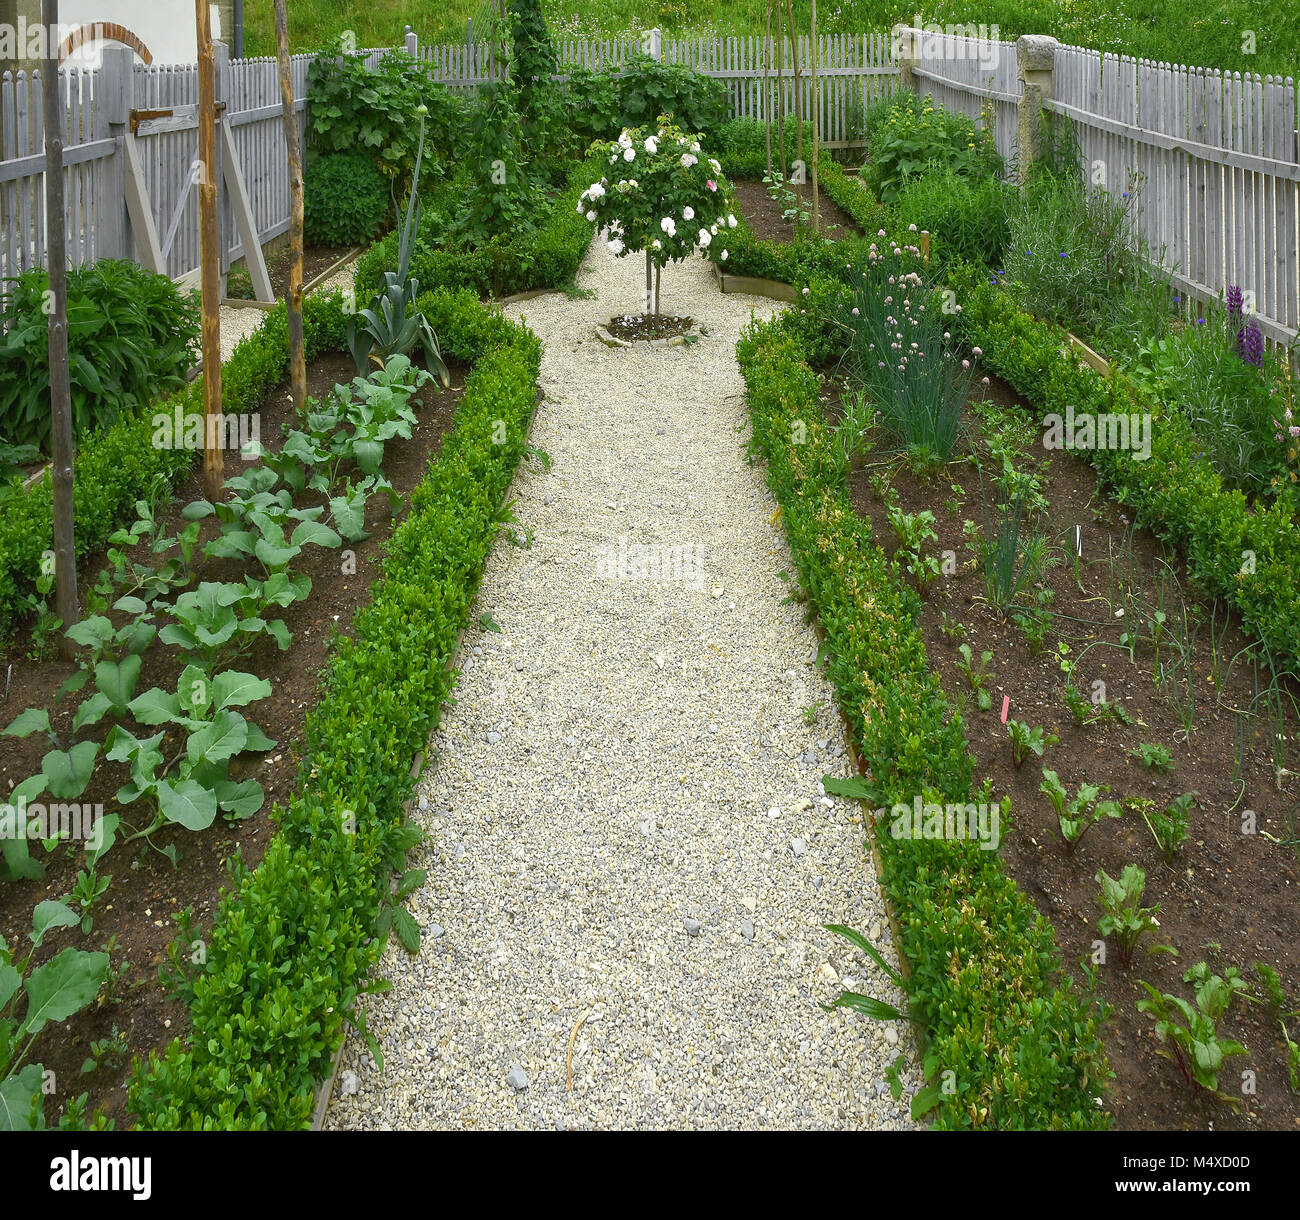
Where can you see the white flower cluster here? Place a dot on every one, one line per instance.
(687, 153)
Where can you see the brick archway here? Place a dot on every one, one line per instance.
(103, 31)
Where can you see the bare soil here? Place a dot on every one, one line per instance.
(135, 918)
(765, 219)
(1229, 897)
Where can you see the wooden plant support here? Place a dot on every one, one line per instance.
(798, 82)
(61, 450)
(209, 248)
(297, 351)
(816, 107)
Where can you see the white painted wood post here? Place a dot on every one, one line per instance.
(114, 95)
(412, 42)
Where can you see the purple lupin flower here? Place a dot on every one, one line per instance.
(1250, 345)
(1234, 302)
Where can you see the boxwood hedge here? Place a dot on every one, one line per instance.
(294, 942)
(1010, 1044)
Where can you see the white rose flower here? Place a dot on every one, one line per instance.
(715, 165)
(629, 154)
(695, 147)
(732, 222)
(688, 160)
(688, 213)
(591, 215)
(616, 246)
(656, 244)
(724, 256)
(705, 237)
(668, 225)
(595, 190)
(651, 145)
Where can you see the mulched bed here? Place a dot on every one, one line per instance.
(136, 914)
(633, 326)
(763, 214)
(1230, 897)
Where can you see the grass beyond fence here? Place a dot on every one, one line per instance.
(1208, 33)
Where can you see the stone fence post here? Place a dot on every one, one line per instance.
(905, 40)
(1036, 63)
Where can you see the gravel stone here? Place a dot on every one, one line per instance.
(517, 1078)
(692, 927)
(557, 912)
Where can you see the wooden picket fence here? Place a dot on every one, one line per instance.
(853, 71)
(1209, 160)
(100, 107)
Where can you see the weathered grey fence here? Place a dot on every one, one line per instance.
(1210, 159)
(131, 157)
(852, 70)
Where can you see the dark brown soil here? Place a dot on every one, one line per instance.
(1230, 897)
(136, 914)
(633, 326)
(766, 222)
(315, 261)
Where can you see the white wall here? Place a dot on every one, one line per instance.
(166, 27)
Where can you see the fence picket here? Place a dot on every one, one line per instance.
(1216, 155)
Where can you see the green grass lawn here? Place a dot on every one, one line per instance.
(1212, 33)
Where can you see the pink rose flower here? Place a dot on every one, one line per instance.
(713, 186)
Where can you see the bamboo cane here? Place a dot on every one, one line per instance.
(61, 449)
(767, 88)
(213, 464)
(297, 352)
(798, 85)
(817, 114)
(780, 85)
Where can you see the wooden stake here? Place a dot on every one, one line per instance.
(297, 352)
(817, 114)
(780, 85)
(213, 462)
(56, 243)
(767, 88)
(798, 88)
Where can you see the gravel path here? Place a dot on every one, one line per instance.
(627, 833)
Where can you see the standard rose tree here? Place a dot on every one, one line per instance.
(670, 203)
